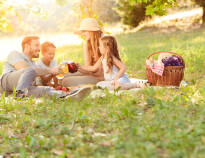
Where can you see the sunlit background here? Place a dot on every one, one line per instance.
(43, 15)
(56, 20)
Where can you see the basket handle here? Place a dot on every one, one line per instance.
(159, 52)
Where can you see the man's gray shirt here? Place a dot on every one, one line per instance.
(13, 58)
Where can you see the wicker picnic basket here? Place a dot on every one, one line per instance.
(172, 75)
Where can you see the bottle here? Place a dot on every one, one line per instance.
(64, 69)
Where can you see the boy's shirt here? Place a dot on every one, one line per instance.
(40, 63)
(53, 63)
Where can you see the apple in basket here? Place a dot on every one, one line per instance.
(72, 67)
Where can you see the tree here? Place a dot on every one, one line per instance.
(9, 15)
(101, 10)
(84, 9)
(6, 11)
(134, 11)
(105, 10)
(131, 14)
(156, 7)
(201, 3)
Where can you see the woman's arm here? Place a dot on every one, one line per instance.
(121, 66)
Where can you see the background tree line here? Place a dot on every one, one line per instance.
(64, 15)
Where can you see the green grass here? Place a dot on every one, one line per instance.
(154, 122)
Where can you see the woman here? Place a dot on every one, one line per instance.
(91, 32)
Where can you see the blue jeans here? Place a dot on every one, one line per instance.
(23, 80)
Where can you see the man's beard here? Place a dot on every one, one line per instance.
(35, 54)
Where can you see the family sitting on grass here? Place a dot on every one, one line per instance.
(103, 66)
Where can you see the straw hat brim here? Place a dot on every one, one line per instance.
(78, 32)
(88, 24)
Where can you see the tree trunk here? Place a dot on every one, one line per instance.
(203, 16)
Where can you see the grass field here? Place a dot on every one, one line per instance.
(151, 123)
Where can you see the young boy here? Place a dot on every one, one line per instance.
(47, 61)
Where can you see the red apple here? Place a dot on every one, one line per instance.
(63, 89)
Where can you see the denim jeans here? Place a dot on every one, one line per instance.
(23, 80)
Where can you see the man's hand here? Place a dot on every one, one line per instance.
(55, 71)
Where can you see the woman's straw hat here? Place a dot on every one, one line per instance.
(88, 24)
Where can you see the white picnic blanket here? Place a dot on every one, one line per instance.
(101, 93)
(107, 84)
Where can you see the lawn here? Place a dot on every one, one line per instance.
(151, 123)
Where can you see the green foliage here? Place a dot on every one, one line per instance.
(101, 10)
(158, 7)
(84, 9)
(6, 11)
(131, 14)
(105, 10)
(35, 17)
(61, 2)
(21, 16)
(135, 11)
(200, 2)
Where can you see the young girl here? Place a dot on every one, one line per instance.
(114, 69)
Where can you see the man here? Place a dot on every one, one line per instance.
(20, 71)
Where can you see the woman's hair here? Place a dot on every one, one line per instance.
(93, 46)
(111, 49)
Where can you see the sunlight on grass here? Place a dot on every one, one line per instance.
(155, 122)
(199, 39)
(74, 53)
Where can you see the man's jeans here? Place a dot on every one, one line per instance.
(23, 80)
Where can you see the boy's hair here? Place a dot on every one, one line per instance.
(46, 45)
(110, 44)
(27, 40)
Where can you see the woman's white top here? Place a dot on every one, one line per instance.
(109, 76)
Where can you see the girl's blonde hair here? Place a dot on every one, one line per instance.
(92, 46)
(111, 49)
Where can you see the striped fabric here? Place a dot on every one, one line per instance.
(158, 69)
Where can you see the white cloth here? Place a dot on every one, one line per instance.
(108, 84)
